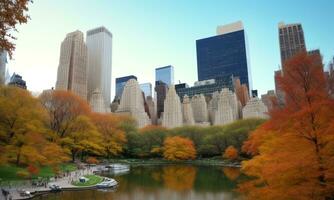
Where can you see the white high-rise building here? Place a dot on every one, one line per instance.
(99, 45)
(132, 103)
(72, 69)
(3, 62)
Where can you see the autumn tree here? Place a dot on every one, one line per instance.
(63, 108)
(113, 136)
(294, 151)
(231, 153)
(12, 12)
(179, 148)
(23, 128)
(84, 139)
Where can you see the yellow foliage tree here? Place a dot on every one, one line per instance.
(113, 137)
(179, 148)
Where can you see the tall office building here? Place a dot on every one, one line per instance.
(224, 55)
(161, 90)
(165, 74)
(164, 77)
(291, 40)
(99, 46)
(120, 83)
(3, 62)
(146, 88)
(72, 69)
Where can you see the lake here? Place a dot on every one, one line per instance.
(165, 182)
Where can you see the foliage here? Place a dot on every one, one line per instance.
(84, 140)
(92, 160)
(22, 174)
(12, 12)
(231, 153)
(22, 129)
(32, 169)
(179, 148)
(293, 151)
(63, 108)
(113, 136)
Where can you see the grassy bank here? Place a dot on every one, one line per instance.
(217, 161)
(92, 180)
(9, 172)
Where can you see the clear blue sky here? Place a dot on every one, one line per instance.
(154, 33)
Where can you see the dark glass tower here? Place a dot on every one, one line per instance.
(120, 83)
(224, 55)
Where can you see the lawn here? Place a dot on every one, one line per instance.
(8, 172)
(93, 180)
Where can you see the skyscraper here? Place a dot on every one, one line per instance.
(224, 54)
(165, 74)
(120, 83)
(72, 69)
(291, 40)
(146, 88)
(3, 62)
(99, 46)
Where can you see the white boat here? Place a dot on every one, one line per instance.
(107, 183)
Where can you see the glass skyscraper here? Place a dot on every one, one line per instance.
(224, 55)
(165, 75)
(146, 88)
(120, 83)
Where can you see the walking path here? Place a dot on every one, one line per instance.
(64, 182)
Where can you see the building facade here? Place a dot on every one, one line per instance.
(224, 54)
(132, 103)
(99, 46)
(206, 87)
(72, 68)
(3, 70)
(291, 40)
(165, 75)
(160, 91)
(147, 89)
(16, 80)
(120, 83)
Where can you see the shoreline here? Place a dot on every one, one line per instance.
(154, 161)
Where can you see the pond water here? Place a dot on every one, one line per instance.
(164, 182)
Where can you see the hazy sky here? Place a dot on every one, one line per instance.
(154, 33)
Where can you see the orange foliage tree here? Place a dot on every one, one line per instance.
(63, 108)
(231, 153)
(92, 160)
(12, 12)
(179, 148)
(294, 151)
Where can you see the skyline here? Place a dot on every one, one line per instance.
(146, 37)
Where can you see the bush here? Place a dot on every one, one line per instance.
(179, 148)
(22, 174)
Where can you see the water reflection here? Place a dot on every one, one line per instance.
(179, 178)
(165, 182)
